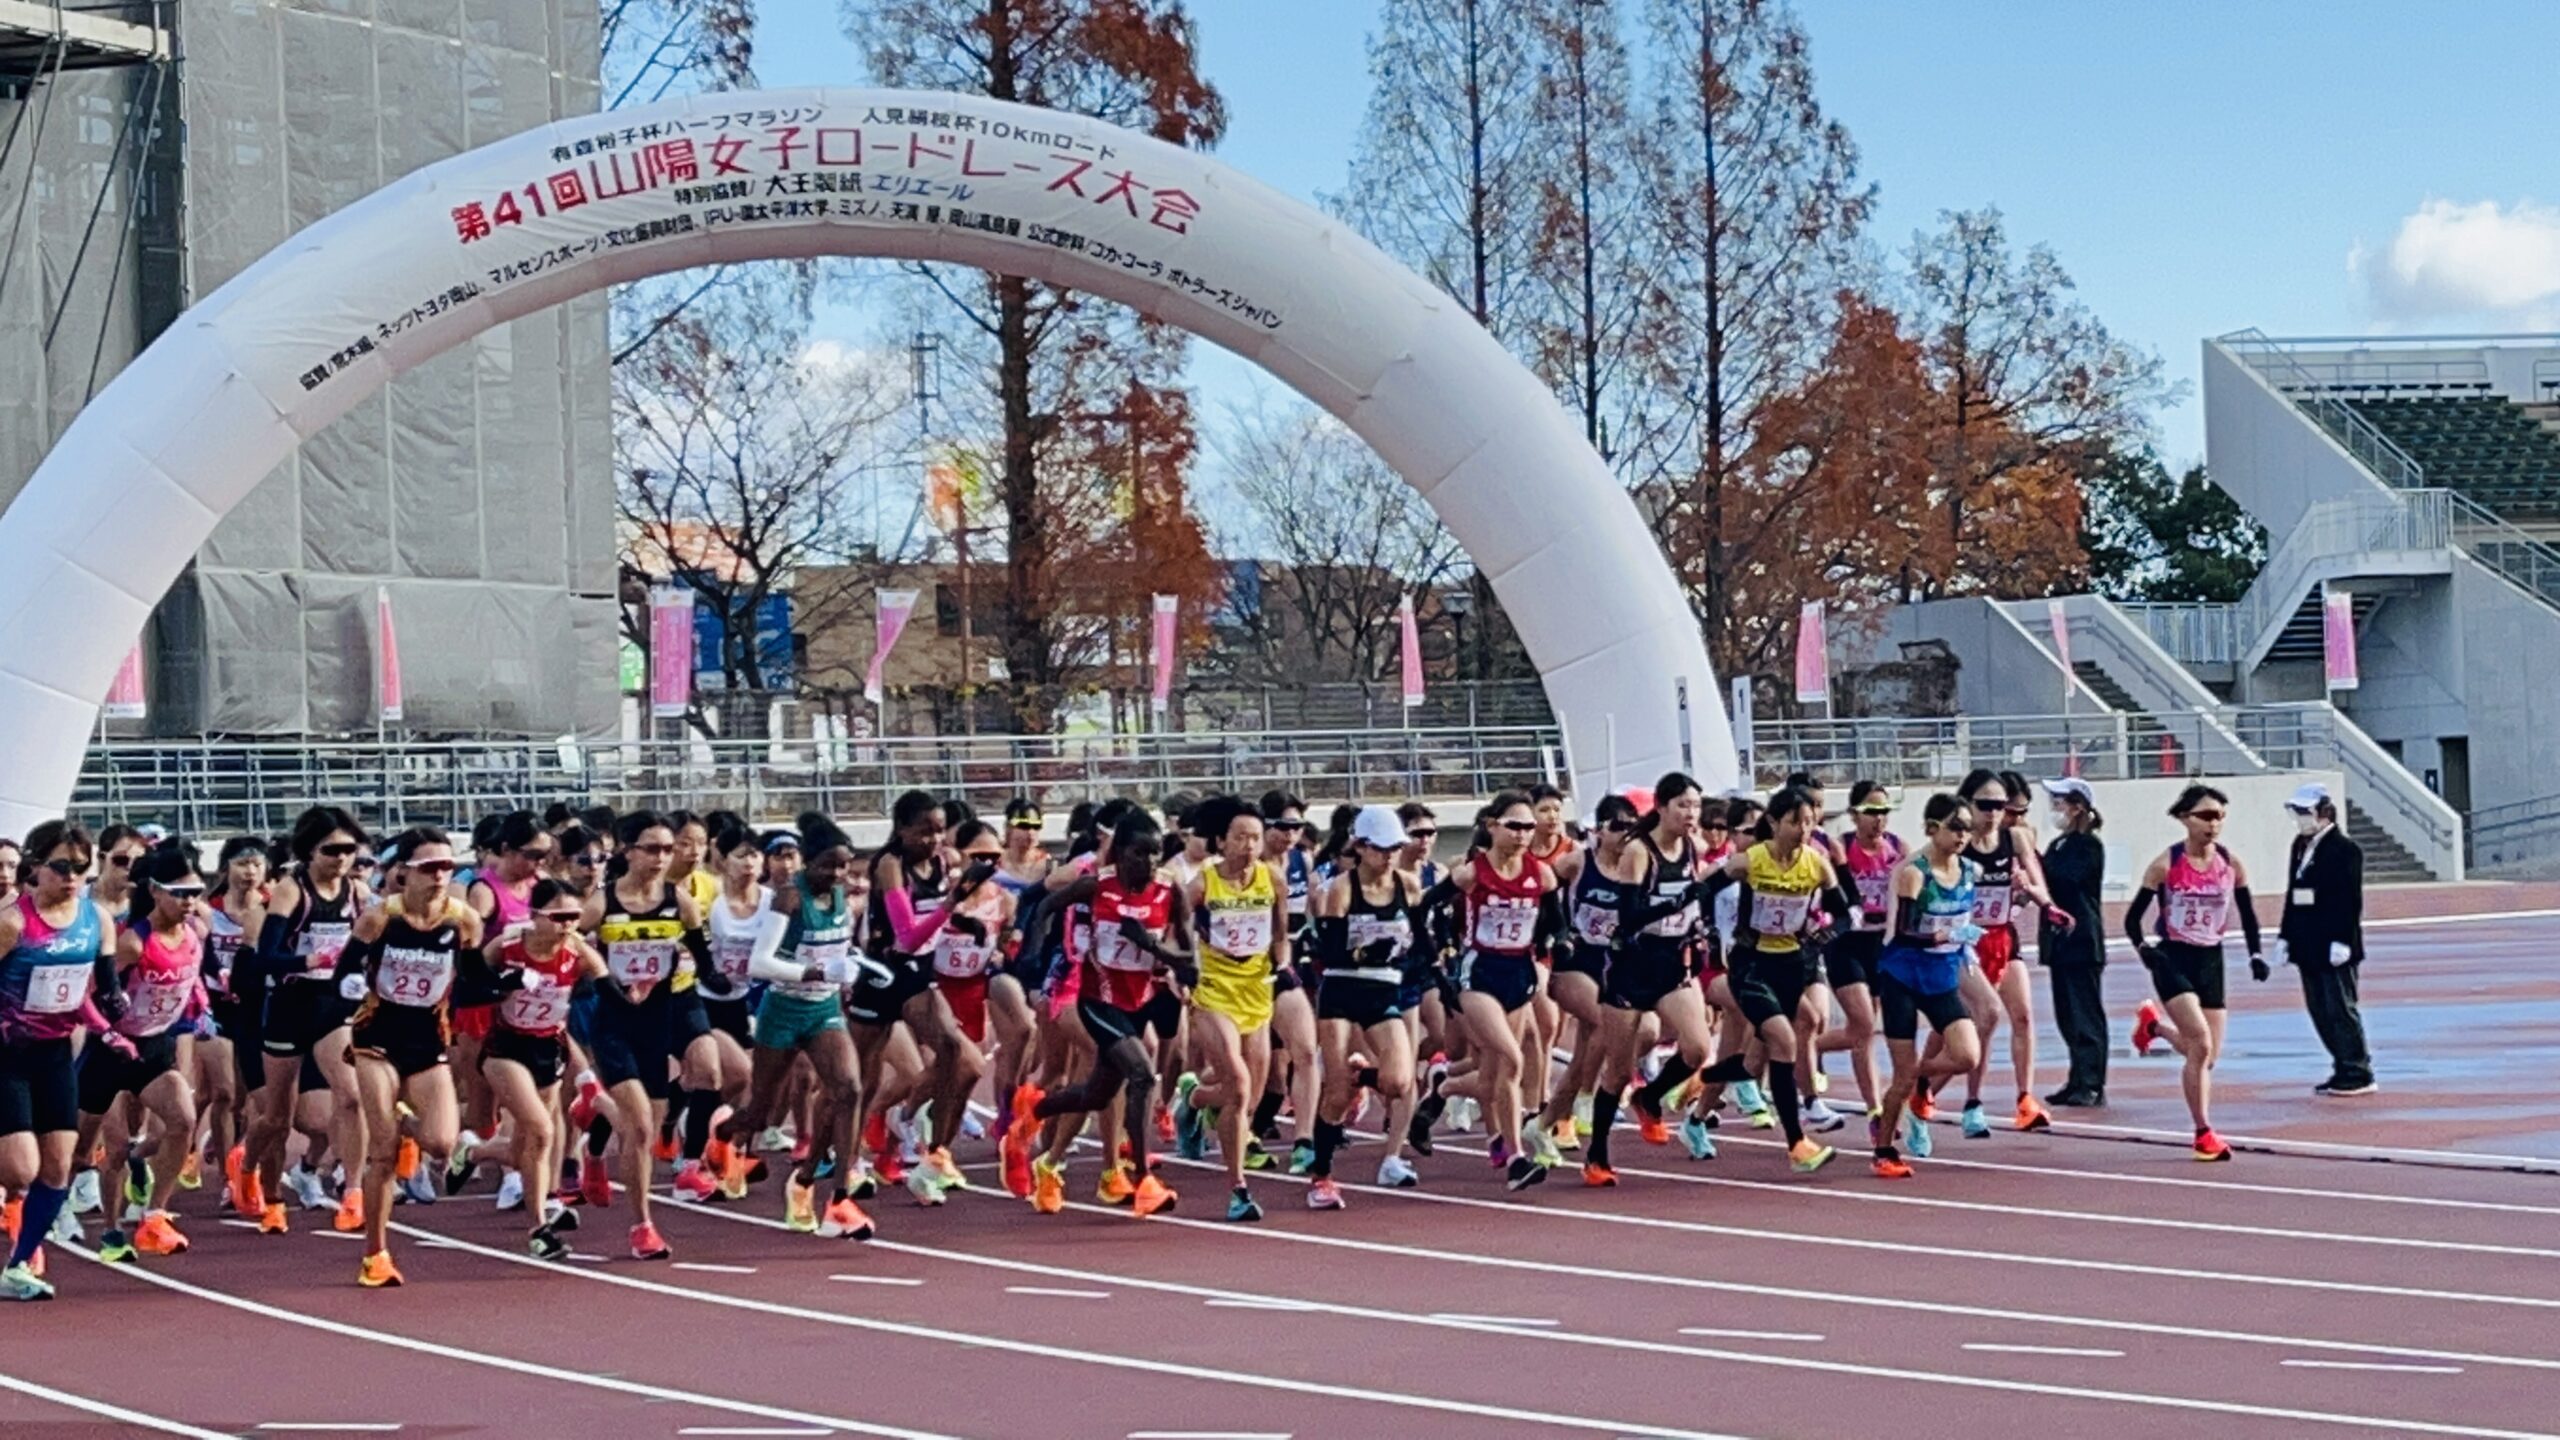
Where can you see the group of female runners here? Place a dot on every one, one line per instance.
(569, 1001)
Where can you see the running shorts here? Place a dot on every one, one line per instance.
(871, 1003)
(1362, 1002)
(104, 1074)
(789, 1022)
(2188, 970)
(968, 1001)
(1641, 975)
(473, 1022)
(1851, 958)
(690, 1022)
(1767, 987)
(1581, 959)
(635, 1042)
(1108, 1024)
(39, 1088)
(239, 1021)
(1997, 947)
(412, 1039)
(1163, 1014)
(1509, 979)
(1903, 1006)
(540, 1055)
(1243, 993)
(300, 1014)
(733, 1018)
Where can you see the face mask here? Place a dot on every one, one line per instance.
(2307, 824)
(2058, 817)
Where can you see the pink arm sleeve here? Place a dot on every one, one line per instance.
(911, 933)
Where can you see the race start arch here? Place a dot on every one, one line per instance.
(136, 485)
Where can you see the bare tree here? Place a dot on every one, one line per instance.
(736, 442)
(1350, 539)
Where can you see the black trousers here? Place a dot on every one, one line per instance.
(2329, 993)
(2080, 1013)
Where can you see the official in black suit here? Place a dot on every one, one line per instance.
(2323, 934)
(2075, 870)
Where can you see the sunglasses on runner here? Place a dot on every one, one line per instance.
(1956, 827)
(1288, 824)
(1991, 807)
(589, 858)
(537, 852)
(429, 867)
(1519, 827)
(662, 847)
(2209, 817)
(1024, 822)
(121, 862)
(180, 892)
(339, 851)
(67, 869)
(1622, 827)
(562, 917)
(1875, 809)
(1423, 832)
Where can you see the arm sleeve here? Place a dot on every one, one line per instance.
(764, 961)
(1436, 915)
(1837, 901)
(2134, 915)
(910, 933)
(2248, 920)
(478, 980)
(1551, 920)
(265, 954)
(1910, 921)
(1333, 942)
(106, 989)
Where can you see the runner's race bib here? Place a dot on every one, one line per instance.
(1505, 922)
(539, 1006)
(321, 944)
(152, 1006)
(59, 989)
(1780, 915)
(417, 978)
(1241, 933)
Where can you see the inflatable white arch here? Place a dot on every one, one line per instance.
(136, 485)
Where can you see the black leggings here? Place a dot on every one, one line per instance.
(1122, 1067)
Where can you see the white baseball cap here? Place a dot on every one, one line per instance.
(2309, 798)
(1377, 827)
(2071, 787)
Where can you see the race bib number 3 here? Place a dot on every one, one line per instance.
(1780, 915)
(58, 989)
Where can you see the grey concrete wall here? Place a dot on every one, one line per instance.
(2266, 454)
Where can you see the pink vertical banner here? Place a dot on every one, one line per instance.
(894, 608)
(670, 652)
(2061, 626)
(388, 695)
(2338, 638)
(1410, 639)
(1813, 657)
(124, 697)
(1168, 617)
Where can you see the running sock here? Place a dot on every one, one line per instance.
(1328, 1136)
(599, 1130)
(35, 1219)
(1731, 1070)
(1675, 1073)
(1781, 1090)
(1266, 1112)
(1604, 1113)
(698, 1106)
(1366, 1077)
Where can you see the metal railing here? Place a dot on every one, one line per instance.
(221, 787)
(2361, 437)
(2111, 746)
(2331, 531)
(2194, 632)
(2523, 836)
(2532, 565)
(2316, 736)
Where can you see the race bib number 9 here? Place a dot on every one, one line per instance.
(58, 989)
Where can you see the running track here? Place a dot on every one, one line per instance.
(2066, 1284)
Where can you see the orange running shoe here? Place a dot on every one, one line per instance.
(406, 1165)
(647, 1243)
(2146, 1027)
(1888, 1167)
(736, 1169)
(240, 1179)
(663, 1149)
(191, 1171)
(350, 1216)
(1164, 1124)
(1048, 1187)
(595, 1184)
(271, 1219)
(1599, 1177)
(845, 1221)
(1017, 1169)
(1924, 1104)
(1151, 1196)
(10, 1210)
(2031, 1114)
(378, 1272)
(2209, 1146)
(1114, 1187)
(159, 1235)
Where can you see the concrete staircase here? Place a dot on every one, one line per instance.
(2150, 749)
(2386, 860)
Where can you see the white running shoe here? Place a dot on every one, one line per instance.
(306, 1189)
(1462, 1115)
(1821, 1118)
(84, 1194)
(511, 1191)
(419, 1189)
(1397, 1173)
(66, 1228)
(1541, 1145)
(972, 1128)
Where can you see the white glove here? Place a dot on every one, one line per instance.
(2340, 954)
(2278, 954)
(353, 987)
(855, 968)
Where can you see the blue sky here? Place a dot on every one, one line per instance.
(2199, 167)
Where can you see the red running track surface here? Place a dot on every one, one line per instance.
(2047, 1285)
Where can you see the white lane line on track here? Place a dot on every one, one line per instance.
(2393, 1369)
(751, 1430)
(507, 1363)
(1174, 1369)
(1506, 1320)
(1656, 1348)
(1256, 1302)
(1895, 1247)
(2044, 1350)
(696, 1266)
(1209, 1435)
(1053, 1293)
(241, 1224)
(875, 1280)
(1712, 1332)
(1517, 1263)
(2320, 1149)
(101, 1408)
(2152, 1222)
(330, 1427)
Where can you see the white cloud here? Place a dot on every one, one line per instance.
(2481, 261)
